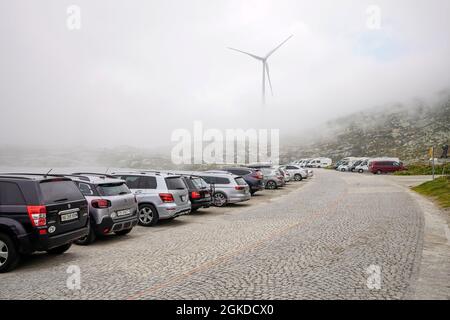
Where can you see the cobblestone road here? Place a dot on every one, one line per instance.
(314, 240)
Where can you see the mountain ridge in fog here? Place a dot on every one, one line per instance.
(399, 130)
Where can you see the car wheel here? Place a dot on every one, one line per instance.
(271, 185)
(219, 199)
(193, 210)
(342, 170)
(379, 172)
(298, 177)
(123, 232)
(361, 171)
(87, 240)
(60, 249)
(148, 215)
(9, 257)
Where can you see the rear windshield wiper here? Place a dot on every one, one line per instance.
(61, 200)
(122, 193)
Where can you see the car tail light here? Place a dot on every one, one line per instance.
(101, 203)
(258, 175)
(195, 195)
(239, 187)
(38, 215)
(166, 197)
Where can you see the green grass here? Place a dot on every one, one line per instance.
(420, 169)
(438, 189)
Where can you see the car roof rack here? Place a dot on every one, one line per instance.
(78, 176)
(136, 172)
(95, 174)
(16, 174)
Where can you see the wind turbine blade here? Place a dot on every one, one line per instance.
(268, 77)
(278, 47)
(249, 54)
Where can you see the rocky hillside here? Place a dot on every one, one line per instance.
(400, 131)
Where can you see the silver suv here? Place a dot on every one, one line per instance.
(112, 206)
(228, 188)
(160, 195)
(273, 178)
(297, 172)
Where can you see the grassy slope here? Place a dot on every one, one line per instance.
(419, 169)
(438, 189)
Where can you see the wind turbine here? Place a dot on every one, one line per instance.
(265, 67)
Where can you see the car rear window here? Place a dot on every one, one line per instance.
(113, 189)
(239, 172)
(140, 182)
(60, 191)
(241, 181)
(219, 180)
(10, 194)
(199, 183)
(175, 183)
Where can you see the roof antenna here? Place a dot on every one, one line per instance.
(48, 172)
(106, 172)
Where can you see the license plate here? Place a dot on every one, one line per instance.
(69, 216)
(122, 213)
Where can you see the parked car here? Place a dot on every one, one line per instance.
(273, 179)
(159, 195)
(286, 175)
(199, 192)
(253, 177)
(303, 162)
(345, 161)
(344, 166)
(39, 213)
(379, 167)
(363, 166)
(112, 206)
(320, 163)
(297, 172)
(228, 188)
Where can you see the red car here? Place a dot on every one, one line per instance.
(379, 167)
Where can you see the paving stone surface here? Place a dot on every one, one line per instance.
(315, 239)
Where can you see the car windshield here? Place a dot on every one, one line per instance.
(113, 189)
(60, 191)
(175, 183)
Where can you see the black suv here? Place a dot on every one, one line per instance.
(199, 192)
(39, 213)
(253, 177)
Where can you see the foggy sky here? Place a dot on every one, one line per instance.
(137, 70)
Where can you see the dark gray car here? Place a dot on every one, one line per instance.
(112, 206)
